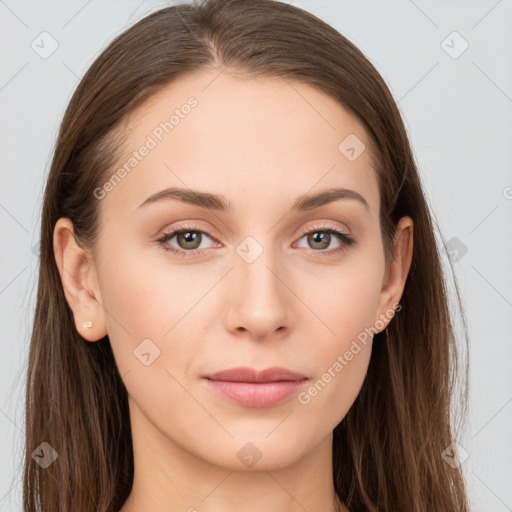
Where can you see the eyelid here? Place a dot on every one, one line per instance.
(323, 224)
(192, 225)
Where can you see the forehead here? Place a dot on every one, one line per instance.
(229, 134)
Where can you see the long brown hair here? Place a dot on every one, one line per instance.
(387, 451)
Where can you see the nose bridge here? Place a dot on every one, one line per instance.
(259, 301)
(256, 269)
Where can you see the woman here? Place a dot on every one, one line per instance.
(231, 314)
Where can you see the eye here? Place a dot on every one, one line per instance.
(188, 238)
(320, 238)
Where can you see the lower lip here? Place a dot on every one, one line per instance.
(257, 394)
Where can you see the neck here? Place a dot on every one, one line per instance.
(169, 478)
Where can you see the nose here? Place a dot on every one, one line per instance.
(261, 301)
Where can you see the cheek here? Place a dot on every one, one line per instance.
(345, 297)
(149, 317)
(149, 298)
(342, 350)
(346, 303)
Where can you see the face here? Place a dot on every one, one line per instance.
(251, 275)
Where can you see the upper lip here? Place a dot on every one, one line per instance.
(273, 374)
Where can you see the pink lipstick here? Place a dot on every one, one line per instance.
(253, 388)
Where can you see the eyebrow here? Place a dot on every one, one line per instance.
(220, 203)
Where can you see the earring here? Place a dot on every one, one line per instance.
(87, 324)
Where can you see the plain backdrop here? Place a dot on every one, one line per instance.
(449, 67)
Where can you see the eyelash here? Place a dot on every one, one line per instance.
(346, 240)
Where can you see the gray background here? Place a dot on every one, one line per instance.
(457, 109)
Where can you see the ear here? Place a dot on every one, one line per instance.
(79, 281)
(397, 271)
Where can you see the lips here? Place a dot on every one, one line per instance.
(252, 388)
(274, 374)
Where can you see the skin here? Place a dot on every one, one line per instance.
(260, 143)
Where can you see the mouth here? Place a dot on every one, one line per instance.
(252, 388)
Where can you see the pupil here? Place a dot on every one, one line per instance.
(321, 238)
(189, 239)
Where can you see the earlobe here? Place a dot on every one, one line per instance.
(78, 276)
(394, 284)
